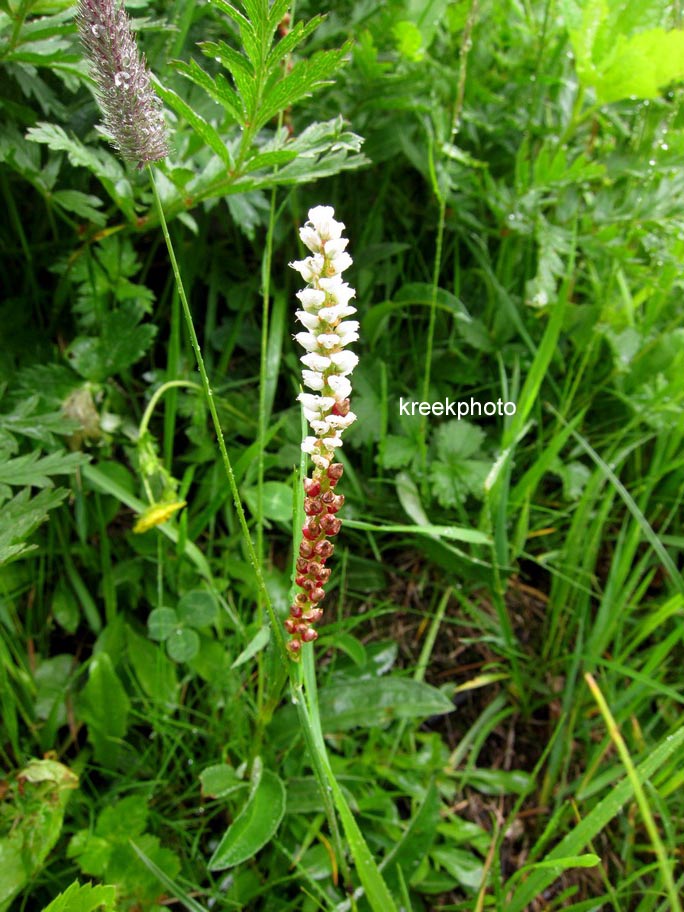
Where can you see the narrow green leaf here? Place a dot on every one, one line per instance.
(258, 642)
(589, 827)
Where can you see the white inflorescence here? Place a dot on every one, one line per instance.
(325, 306)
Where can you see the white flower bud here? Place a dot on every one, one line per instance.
(334, 247)
(310, 268)
(328, 340)
(348, 332)
(311, 239)
(311, 298)
(341, 421)
(340, 262)
(308, 341)
(334, 312)
(309, 445)
(316, 362)
(344, 361)
(313, 380)
(341, 386)
(321, 219)
(339, 292)
(310, 320)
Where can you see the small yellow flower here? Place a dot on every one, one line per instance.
(156, 514)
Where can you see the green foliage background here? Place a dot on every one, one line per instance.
(511, 179)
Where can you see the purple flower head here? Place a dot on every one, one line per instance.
(132, 112)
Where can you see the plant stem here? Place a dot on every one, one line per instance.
(209, 396)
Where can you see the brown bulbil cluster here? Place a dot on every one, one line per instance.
(320, 505)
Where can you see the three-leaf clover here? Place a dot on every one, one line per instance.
(177, 627)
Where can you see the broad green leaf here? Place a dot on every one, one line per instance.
(84, 898)
(220, 780)
(104, 705)
(255, 826)
(183, 644)
(276, 503)
(621, 49)
(198, 608)
(156, 674)
(464, 866)
(161, 623)
(368, 703)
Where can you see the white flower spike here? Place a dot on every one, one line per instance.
(325, 304)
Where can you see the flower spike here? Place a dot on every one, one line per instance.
(325, 304)
(132, 112)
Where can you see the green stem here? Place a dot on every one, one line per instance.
(209, 396)
(156, 396)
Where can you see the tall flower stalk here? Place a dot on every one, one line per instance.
(325, 305)
(134, 121)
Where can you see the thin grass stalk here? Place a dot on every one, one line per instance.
(209, 396)
(639, 794)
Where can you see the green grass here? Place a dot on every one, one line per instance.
(492, 715)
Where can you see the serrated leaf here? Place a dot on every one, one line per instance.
(21, 515)
(218, 88)
(120, 344)
(254, 826)
(204, 130)
(287, 44)
(34, 470)
(84, 205)
(84, 898)
(302, 80)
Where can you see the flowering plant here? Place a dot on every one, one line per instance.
(325, 304)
